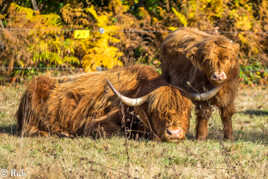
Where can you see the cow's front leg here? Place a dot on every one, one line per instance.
(226, 117)
(203, 113)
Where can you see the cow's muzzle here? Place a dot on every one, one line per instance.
(174, 134)
(218, 77)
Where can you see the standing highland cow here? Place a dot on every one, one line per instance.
(197, 61)
(82, 105)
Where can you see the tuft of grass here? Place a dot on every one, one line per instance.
(84, 157)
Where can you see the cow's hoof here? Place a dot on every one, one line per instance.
(201, 138)
(228, 138)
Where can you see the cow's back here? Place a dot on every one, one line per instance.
(72, 104)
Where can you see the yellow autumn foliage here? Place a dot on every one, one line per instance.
(93, 34)
(53, 48)
(46, 32)
(102, 54)
(181, 17)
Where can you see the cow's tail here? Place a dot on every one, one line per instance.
(24, 112)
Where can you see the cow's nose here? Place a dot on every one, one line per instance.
(213, 76)
(175, 133)
(218, 76)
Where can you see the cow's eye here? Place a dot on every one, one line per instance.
(205, 61)
(224, 58)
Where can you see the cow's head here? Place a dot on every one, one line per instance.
(164, 111)
(217, 57)
(169, 113)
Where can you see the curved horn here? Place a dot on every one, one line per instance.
(201, 96)
(126, 100)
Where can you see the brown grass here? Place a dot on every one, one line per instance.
(53, 157)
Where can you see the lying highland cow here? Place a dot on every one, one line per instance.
(82, 106)
(197, 61)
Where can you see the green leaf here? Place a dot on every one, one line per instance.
(181, 17)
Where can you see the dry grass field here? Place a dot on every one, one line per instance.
(117, 157)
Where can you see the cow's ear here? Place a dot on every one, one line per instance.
(192, 53)
(195, 56)
(236, 47)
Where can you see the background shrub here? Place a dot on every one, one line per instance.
(96, 35)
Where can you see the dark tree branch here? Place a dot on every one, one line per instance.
(1, 24)
(35, 7)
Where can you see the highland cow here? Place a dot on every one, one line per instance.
(85, 105)
(196, 61)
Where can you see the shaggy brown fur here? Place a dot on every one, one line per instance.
(84, 104)
(190, 58)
